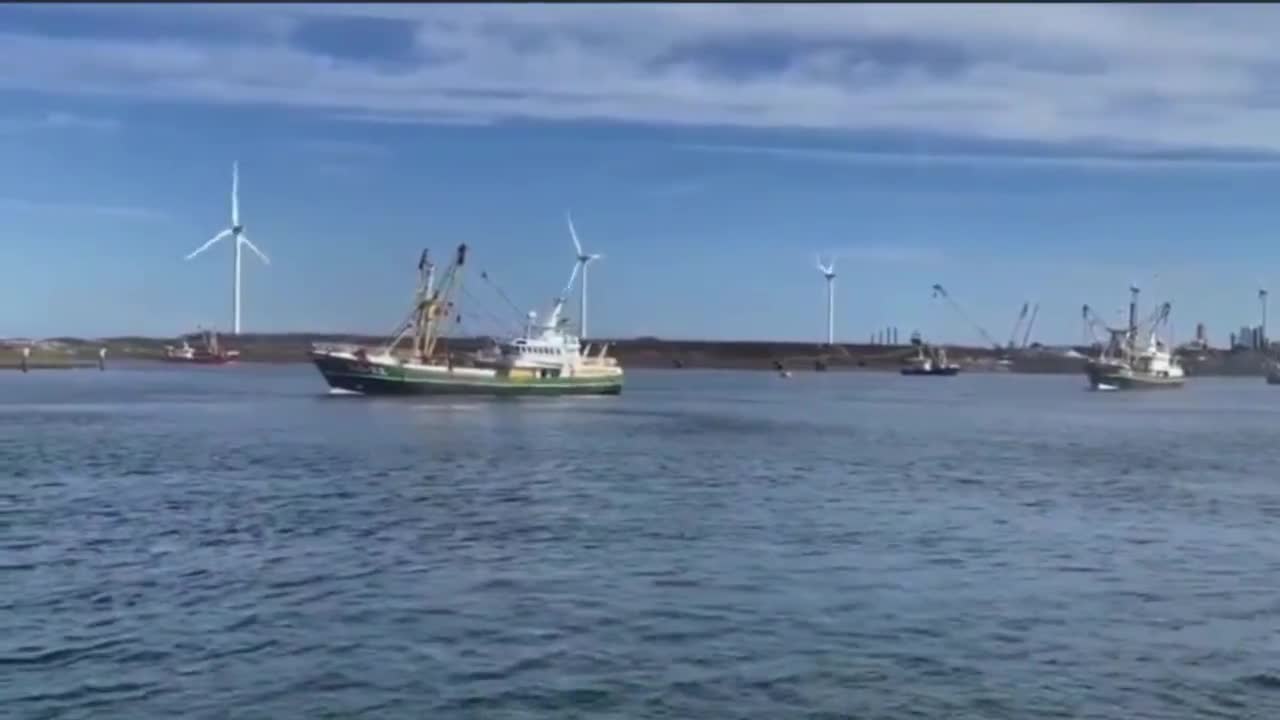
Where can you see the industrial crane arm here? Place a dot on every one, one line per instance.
(939, 291)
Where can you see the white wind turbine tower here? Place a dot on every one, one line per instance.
(583, 260)
(236, 232)
(828, 271)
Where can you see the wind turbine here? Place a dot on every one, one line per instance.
(236, 232)
(583, 260)
(829, 272)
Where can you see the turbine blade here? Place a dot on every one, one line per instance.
(569, 285)
(596, 256)
(209, 244)
(573, 234)
(255, 249)
(235, 192)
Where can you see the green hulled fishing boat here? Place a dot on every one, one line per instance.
(543, 360)
(1134, 358)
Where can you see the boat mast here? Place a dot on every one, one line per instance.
(1133, 319)
(435, 302)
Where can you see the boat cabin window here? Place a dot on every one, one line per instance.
(516, 347)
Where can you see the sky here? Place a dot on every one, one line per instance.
(1049, 153)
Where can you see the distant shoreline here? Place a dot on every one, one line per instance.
(632, 352)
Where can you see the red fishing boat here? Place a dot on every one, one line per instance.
(206, 352)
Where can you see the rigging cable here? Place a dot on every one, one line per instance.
(484, 275)
(498, 322)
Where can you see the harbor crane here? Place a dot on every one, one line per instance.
(940, 292)
(1017, 325)
(1014, 344)
(1026, 336)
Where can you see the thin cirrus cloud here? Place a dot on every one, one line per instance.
(1118, 160)
(1110, 76)
(121, 212)
(55, 120)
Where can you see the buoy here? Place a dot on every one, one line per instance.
(102, 359)
(26, 355)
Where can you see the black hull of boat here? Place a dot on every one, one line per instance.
(939, 372)
(1109, 377)
(356, 377)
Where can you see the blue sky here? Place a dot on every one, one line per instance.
(1052, 153)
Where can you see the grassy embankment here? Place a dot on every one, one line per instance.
(632, 353)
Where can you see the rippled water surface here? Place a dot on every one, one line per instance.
(234, 543)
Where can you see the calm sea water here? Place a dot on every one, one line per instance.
(234, 543)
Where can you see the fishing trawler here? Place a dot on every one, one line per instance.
(929, 360)
(207, 352)
(543, 360)
(1134, 358)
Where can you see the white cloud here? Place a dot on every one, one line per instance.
(1152, 76)
(426, 118)
(345, 150)
(928, 157)
(885, 254)
(125, 212)
(56, 120)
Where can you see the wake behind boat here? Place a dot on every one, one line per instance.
(543, 360)
(1134, 358)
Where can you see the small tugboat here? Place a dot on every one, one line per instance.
(544, 360)
(1273, 372)
(929, 360)
(208, 352)
(1127, 361)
